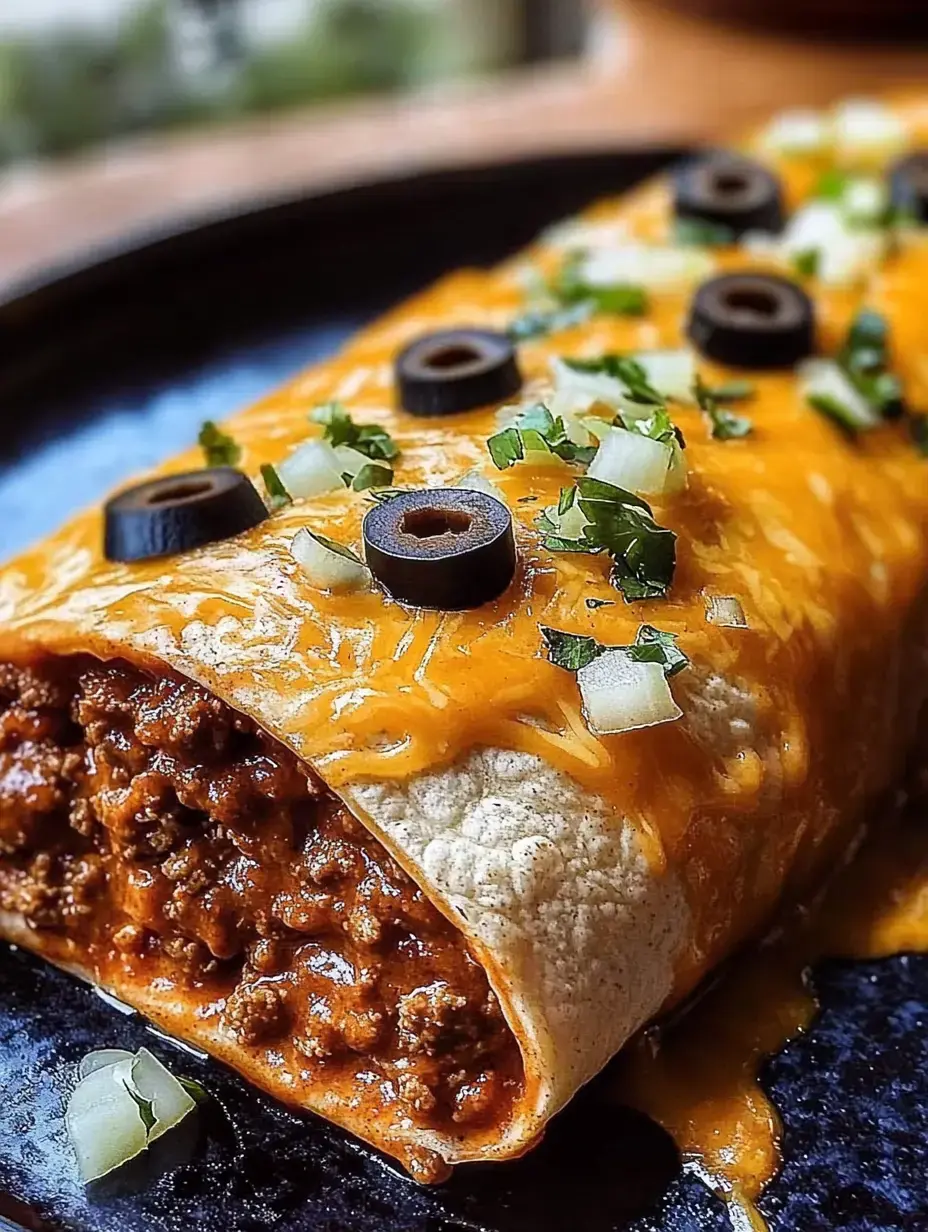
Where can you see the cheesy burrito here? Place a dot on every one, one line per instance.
(480, 690)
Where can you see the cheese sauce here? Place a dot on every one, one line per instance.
(822, 540)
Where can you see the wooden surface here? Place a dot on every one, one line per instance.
(655, 76)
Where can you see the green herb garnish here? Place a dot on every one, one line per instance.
(620, 523)
(695, 232)
(624, 369)
(573, 651)
(538, 323)
(724, 425)
(381, 495)
(278, 496)
(621, 299)
(806, 263)
(340, 429)
(219, 449)
(832, 185)
(373, 475)
(865, 360)
(536, 431)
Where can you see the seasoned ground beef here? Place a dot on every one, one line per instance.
(150, 823)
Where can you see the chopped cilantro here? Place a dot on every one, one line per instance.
(844, 417)
(373, 475)
(536, 431)
(621, 368)
(380, 495)
(338, 548)
(219, 449)
(573, 651)
(806, 263)
(832, 185)
(537, 323)
(340, 429)
(698, 233)
(620, 523)
(865, 360)
(621, 299)
(278, 496)
(724, 425)
(733, 391)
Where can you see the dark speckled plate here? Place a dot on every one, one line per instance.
(110, 366)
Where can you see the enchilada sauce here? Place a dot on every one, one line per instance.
(821, 540)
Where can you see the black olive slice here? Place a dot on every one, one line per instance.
(728, 191)
(752, 321)
(456, 370)
(447, 548)
(177, 512)
(908, 185)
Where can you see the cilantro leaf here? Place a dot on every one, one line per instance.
(570, 650)
(621, 368)
(278, 496)
(538, 323)
(807, 263)
(621, 299)
(381, 495)
(865, 360)
(701, 234)
(219, 449)
(620, 523)
(340, 429)
(832, 185)
(506, 448)
(536, 431)
(373, 475)
(573, 651)
(733, 391)
(724, 425)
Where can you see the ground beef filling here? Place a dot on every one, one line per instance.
(153, 824)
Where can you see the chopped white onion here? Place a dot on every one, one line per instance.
(569, 524)
(636, 463)
(653, 266)
(797, 132)
(576, 392)
(579, 234)
(845, 253)
(350, 460)
(312, 469)
(725, 610)
(620, 695)
(328, 567)
(823, 378)
(866, 129)
(671, 373)
(474, 481)
(101, 1059)
(104, 1122)
(153, 1082)
(104, 1114)
(864, 201)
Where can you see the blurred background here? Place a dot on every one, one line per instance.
(119, 114)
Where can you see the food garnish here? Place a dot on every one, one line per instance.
(339, 429)
(752, 321)
(538, 322)
(725, 611)
(122, 1103)
(444, 548)
(328, 565)
(175, 513)
(623, 687)
(724, 424)
(456, 370)
(219, 448)
(856, 390)
(277, 495)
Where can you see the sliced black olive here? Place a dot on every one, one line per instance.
(177, 512)
(752, 321)
(447, 548)
(726, 190)
(908, 185)
(456, 370)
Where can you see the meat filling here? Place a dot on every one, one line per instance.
(162, 832)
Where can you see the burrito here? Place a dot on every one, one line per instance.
(444, 718)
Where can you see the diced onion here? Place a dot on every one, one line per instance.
(569, 524)
(104, 1115)
(637, 463)
(101, 1059)
(866, 130)
(824, 379)
(671, 373)
(170, 1103)
(864, 201)
(350, 460)
(845, 253)
(326, 568)
(655, 267)
(576, 392)
(474, 481)
(104, 1122)
(725, 610)
(579, 234)
(798, 132)
(621, 695)
(312, 469)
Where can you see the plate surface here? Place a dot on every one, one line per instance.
(111, 366)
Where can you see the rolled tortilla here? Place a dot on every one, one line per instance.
(552, 889)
